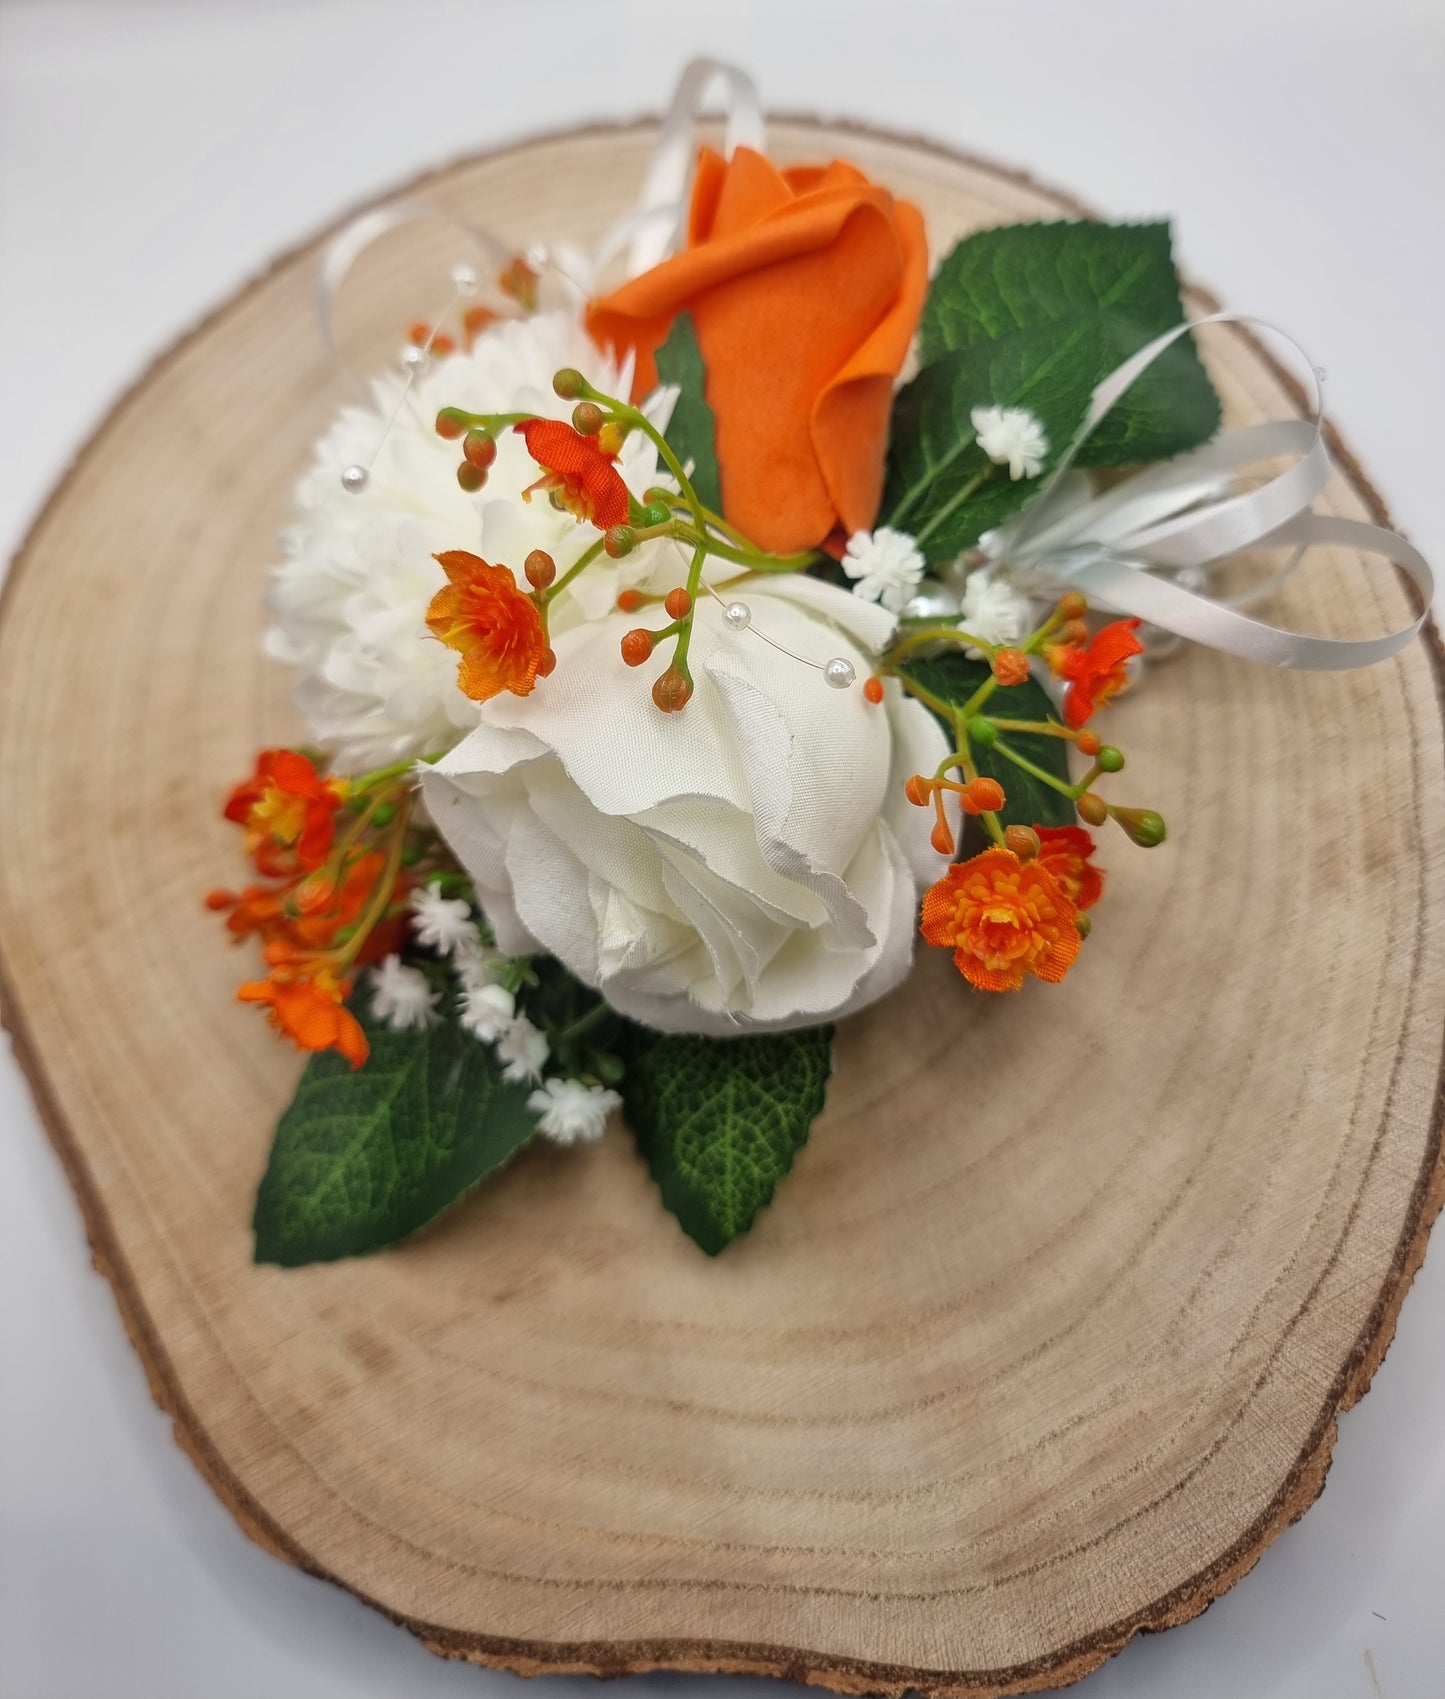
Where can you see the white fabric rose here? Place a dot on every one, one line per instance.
(750, 863)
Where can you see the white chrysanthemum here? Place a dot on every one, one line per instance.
(572, 1113)
(523, 1051)
(993, 611)
(1011, 436)
(349, 600)
(487, 1011)
(886, 567)
(401, 995)
(442, 923)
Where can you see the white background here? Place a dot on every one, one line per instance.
(152, 155)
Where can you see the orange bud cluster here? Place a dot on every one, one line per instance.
(334, 900)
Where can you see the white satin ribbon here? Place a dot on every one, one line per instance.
(649, 232)
(1185, 514)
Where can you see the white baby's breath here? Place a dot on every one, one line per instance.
(401, 995)
(479, 967)
(570, 1112)
(523, 1051)
(443, 924)
(885, 565)
(1011, 436)
(992, 610)
(488, 1011)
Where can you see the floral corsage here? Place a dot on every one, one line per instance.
(671, 670)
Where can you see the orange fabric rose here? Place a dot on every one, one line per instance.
(805, 286)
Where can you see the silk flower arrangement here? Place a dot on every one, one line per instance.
(672, 668)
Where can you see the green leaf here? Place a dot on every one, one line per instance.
(1030, 802)
(720, 1120)
(691, 432)
(362, 1159)
(940, 486)
(1034, 316)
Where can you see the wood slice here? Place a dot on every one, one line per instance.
(1045, 1338)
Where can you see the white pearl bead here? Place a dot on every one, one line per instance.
(355, 479)
(738, 615)
(839, 673)
(415, 359)
(464, 280)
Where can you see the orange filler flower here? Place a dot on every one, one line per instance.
(584, 478)
(311, 1012)
(1096, 672)
(1002, 918)
(494, 626)
(288, 811)
(1064, 852)
(280, 914)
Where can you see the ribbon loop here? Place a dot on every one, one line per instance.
(1185, 515)
(649, 232)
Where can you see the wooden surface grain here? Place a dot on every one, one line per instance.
(1045, 1337)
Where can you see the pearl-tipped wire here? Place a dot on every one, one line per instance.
(838, 672)
(415, 361)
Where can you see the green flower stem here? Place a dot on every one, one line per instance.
(341, 852)
(936, 634)
(1038, 728)
(1038, 772)
(747, 553)
(979, 697)
(583, 1024)
(381, 775)
(1088, 779)
(921, 487)
(963, 758)
(694, 578)
(1035, 641)
(491, 423)
(960, 496)
(939, 704)
(754, 559)
(381, 897)
(583, 561)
